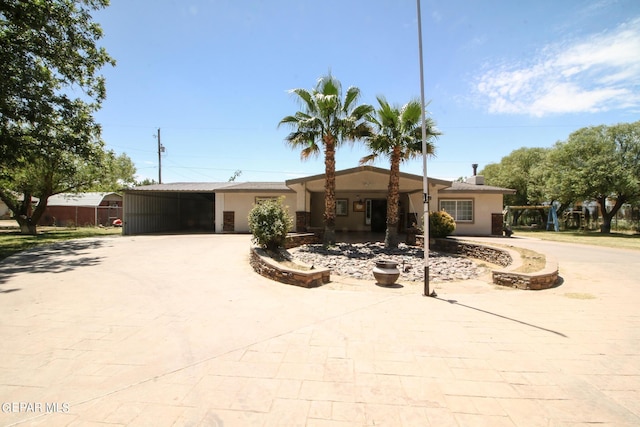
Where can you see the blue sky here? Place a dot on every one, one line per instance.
(499, 75)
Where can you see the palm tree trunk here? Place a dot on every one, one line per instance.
(329, 190)
(393, 197)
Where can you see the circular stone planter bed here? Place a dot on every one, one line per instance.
(357, 260)
(281, 268)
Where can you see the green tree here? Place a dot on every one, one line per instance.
(327, 120)
(146, 181)
(115, 173)
(522, 171)
(598, 163)
(397, 135)
(546, 188)
(48, 55)
(61, 172)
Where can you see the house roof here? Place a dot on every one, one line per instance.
(78, 199)
(464, 187)
(357, 169)
(257, 186)
(357, 179)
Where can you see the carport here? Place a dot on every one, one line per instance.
(177, 207)
(197, 207)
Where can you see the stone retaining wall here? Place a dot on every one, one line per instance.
(543, 279)
(298, 239)
(490, 254)
(267, 267)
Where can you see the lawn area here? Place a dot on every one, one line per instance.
(613, 240)
(11, 241)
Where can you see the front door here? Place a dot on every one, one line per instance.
(496, 224)
(378, 215)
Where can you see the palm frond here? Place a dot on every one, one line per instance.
(352, 95)
(305, 98)
(362, 130)
(414, 149)
(380, 144)
(303, 139)
(370, 158)
(328, 106)
(288, 120)
(311, 151)
(362, 111)
(329, 85)
(399, 129)
(411, 114)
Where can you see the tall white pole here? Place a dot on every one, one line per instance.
(159, 159)
(425, 180)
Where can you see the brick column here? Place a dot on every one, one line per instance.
(302, 221)
(228, 221)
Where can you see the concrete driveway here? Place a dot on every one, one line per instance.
(178, 330)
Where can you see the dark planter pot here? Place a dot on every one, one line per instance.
(386, 272)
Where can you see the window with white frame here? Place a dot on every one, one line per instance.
(460, 210)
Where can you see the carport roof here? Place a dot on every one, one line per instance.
(213, 187)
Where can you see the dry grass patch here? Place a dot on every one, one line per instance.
(531, 261)
(613, 240)
(578, 295)
(284, 259)
(11, 241)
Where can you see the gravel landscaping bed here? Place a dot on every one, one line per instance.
(357, 260)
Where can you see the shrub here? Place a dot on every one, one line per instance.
(441, 224)
(269, 222)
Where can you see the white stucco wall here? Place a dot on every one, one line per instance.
(484, 205)
(242, 203)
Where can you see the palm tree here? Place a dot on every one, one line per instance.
(397, 134)
(327, 120)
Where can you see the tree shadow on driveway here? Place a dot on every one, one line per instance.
(58, 257)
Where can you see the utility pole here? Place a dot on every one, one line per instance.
(160, 151)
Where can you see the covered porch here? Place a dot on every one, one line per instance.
(361, 200)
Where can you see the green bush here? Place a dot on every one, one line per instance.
(269, 222)
(441, 224)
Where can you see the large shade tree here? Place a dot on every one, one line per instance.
(600, 163)
(50, 87)
(61, 172)
(396, 134)
(327, 119)
(522, 171)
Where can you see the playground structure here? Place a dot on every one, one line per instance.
(515, 213)
(546, 217)
(582, 216)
